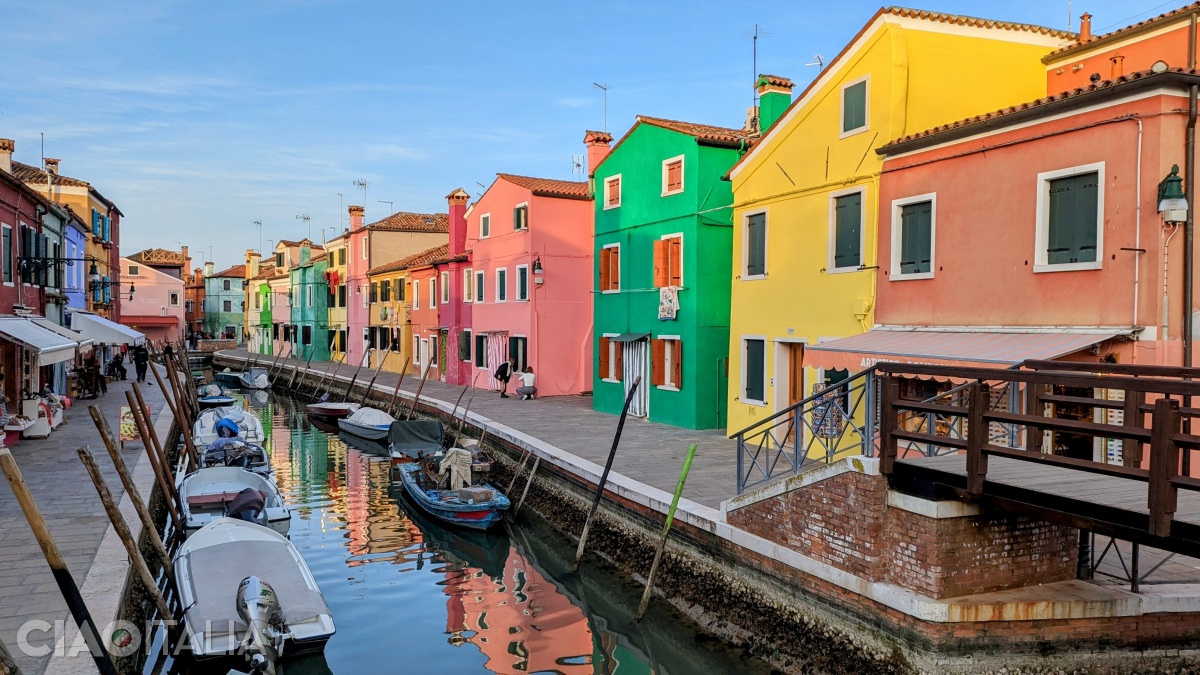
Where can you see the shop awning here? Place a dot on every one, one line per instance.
(148, 320)
(629, 337)
(104, 331)
(49, 346)
(975, 349)
(84, 342)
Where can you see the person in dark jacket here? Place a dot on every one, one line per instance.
(504, 373)
(141, 358)
(247, 505)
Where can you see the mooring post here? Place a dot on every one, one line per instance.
(612, 453)
(662, 542)
(371, 384)
(296, 368)
(462, 423)
(166, 479)
(184, 425)
(58, 566)
(366, 356)
(525, 454)
(529, 481)
(396, 391)
(145, 412)
(417, 396)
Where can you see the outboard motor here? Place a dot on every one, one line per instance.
(258, 606)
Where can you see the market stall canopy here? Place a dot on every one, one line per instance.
(104, 331)
(49, 346)
(84, 342)
(976, 349)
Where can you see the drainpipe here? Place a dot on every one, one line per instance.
(1189, 238)
(1137, 230)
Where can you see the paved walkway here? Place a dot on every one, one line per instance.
(650, 453)
(73, 512)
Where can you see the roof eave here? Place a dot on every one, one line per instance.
(1072, 52)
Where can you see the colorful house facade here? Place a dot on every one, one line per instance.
(310, 306)
(806, 195)
(457, 315)
(427, 348)
(391, 316)
(156, 309)
(225, 303)
(662, 219)
(531, 272)
(335, 278)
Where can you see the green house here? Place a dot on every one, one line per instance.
(662, 257)
(310, 307)
(224, 302)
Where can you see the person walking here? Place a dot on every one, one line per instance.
(527, 390)
(141, 358)
(504, 373)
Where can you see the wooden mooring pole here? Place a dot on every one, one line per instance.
(612, 453)
(185, 426)
(58, 566)
(417, 396)
(529, 481)
(163, 474)
(371, 384)
(662, 543)
(396, 391)
(463, 422)
(349, 388)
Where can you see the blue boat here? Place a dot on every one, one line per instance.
(478, 508)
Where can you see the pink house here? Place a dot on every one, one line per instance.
(455, 315)
(156, 307)
(531, 282)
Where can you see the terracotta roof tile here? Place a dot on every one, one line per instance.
(417, 260)
(290, 244)
(549, 187)
(319, 257)
(702, 132)
(976, 22)
(32, 174)
(412, 222)
(597, 136)
(266, 272)
(238, 271)
(1161, 18)
(776, 81)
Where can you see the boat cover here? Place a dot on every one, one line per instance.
(370, 417)
(416, 436)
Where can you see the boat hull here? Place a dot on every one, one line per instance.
(331, 410)
(371, 433)
(474, 516)
(228, 378)
(207, 402)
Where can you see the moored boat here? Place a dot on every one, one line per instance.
(227, 376)
(255, 378)
(237, 452)
(216, 401)
(208, 492)
(331, 409)
(410, 439)
(204, 430)
(477, 506)
(367, 423)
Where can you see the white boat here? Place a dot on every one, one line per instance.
(238, 453)
(255, 378)
(211, 566)
(207, 492)
(367, 423)
(204, 430)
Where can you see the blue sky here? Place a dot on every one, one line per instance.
(199, 117)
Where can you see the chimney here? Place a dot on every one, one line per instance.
(209, 269)
(774, 97)
(457, 201)
(356, 218)
(252, 258)
(7, 145)
(597, 143)
(1085, 29)
(52, 165)
(305, 251)
(1118, 66)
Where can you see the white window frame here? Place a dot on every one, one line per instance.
(12, 254)
(433, 351)
(765, 213)
(679, 236)
(612, 352)
(667, 363)
(416, 294)
(365, 247)
(766, 369)
(309, 292)
(175, 301)
(842, 108)
(416, 355)
(501, 286)
(832, 230)
(665, 162)
(524, 205)
(445, 283)
(425, 348)
(485, 219)
(480, 285)
(433, 292)
(517, 283)
(468, 285)
(1042, 229)
(618, 288)
(620, 189)
(365, 294)
(897, 231)
(470, 346)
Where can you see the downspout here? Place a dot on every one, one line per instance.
(1189, 238)
(1137, 230)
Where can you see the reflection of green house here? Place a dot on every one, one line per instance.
(310, 307)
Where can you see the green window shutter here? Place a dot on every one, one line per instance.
(480, 353)
(755, 360)
(854, 107)
(1071, 230)
(916, 238)
(756, 245)
(847, 247)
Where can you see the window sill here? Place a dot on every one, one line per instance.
(911, 277)
(844, 270)
(854, 132)
(609, 207)
(610, 292)
(753, 277)
(610, 380)
(668, 193)
(521, 300)
(1039, 268)
(756, 404)
(668, 387)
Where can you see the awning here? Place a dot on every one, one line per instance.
(148, 320)
(981, 349)
(84, 342)
(49, 346)
(104, 331)
(629, 337)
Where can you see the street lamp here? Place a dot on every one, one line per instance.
(1172, 202)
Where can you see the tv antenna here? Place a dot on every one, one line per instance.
(577, 165)
(603, 88)
(259, 224)
(308, 222)
(391, 206)
(754, 34)
(341, 212)
(362, 184)
(817, 61)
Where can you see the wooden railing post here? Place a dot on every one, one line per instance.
(1164, 465)
(889, 391)
(977, 438)
(1034, 406)
(1131, 450)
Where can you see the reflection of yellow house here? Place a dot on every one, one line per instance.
(805, 206)
(390, 332)
(336, 271)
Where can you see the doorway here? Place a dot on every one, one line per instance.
(637, 362)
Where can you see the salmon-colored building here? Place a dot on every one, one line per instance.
(531, 266)
(427, 348)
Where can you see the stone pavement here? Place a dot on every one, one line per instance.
(650, 453)
(73, 512)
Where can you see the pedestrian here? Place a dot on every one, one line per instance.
(527, 390)
(247, 505)
(504, 372)
(141, 358)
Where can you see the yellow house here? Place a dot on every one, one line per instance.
(390, 331)
(805, 207)
(336, 269)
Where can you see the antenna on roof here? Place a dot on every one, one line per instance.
(259, 224)
(341, 211)
(391, 205)
(362, 184)
(1068, 14)
(307, 221)
(603, 88)
(577, 165)
(754, 34)
(817, 61)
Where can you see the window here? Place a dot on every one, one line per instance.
(1070, 219)
(612, 192)
(227, 306)
(612, 357)
(521, 217)
(416, 293)
(445, 287)
(306, 335)
(464, 345)
(518, 348)
(364, 293)
(374, 291)
(385, 291)
(8, 254)
(485, 226)
(854, 107)
(754, 243)
(522, 283)
(433, 350)
(847, 236)
(479, 287)
(342, 295)
(610, 268)
(419, 349)
(173, 299)
(668, 261)
(672, 176)
(135, 270)
(310, 295)
(754, 370)
(481, 350)
(432, 292)
(912, 238)
(666, 362)
(341, 256)
(400, 284)
(364, 248)
(468, 287)
(501, 284)
(279, 260)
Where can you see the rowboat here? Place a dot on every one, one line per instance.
(368, 423)
(255, 378)
(476, 507)
(486, 551)
(206, 495)
(213, 567)
(204, 430)
(410, 439)
(331, 409)
(237, 452)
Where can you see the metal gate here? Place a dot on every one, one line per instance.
(637, 363)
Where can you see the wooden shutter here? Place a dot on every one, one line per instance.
(603, 358)
(1072, 227)
(620, 365)
(916, 238)
(754, 370)
(674, 176)
(614, 269)
(675, 261)
(756, 229)
(854, 107)
(658, 359)
(662, 264)
(613, 187)
(677, 363)
(847, 251)
(604, 268)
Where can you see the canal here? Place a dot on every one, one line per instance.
(409, 596)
